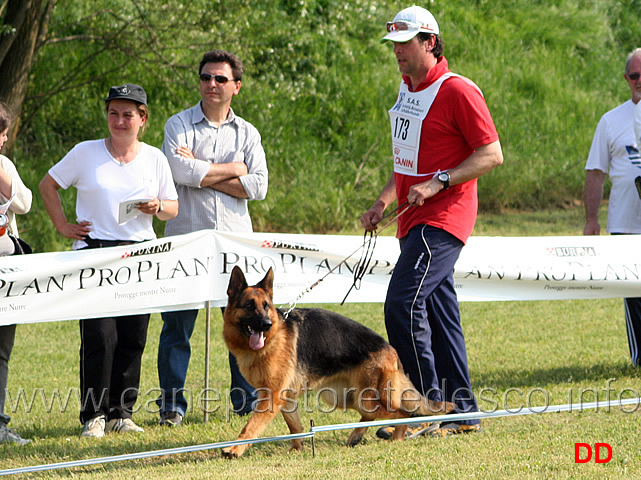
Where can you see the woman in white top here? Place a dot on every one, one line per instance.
(11, 187)
(105, 173)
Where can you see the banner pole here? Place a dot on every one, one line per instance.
(207, 348)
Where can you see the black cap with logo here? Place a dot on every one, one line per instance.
(128, 91)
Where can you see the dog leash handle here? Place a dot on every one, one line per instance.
(363, 263)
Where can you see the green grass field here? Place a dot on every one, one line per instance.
(521, 353)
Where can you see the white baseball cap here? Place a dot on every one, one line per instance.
(408, 23)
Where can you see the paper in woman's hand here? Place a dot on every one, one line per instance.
(128, 209)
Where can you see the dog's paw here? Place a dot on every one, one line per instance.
(297, 445)
(229, 453)
(355, 437)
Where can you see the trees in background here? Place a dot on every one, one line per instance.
(305, 86)
(50, 48)
(317, 85)
(22, 34)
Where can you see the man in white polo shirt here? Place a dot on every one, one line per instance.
(615, 153)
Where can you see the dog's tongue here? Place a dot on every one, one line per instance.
(257, 340)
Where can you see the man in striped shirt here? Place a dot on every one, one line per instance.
(218, 164)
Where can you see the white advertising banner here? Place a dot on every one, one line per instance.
(186, 271)
(549, 268)
(165, 274)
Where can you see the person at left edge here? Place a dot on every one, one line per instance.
(11, 186)
(105, 172)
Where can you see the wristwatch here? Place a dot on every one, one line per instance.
(161, 207)
(444, 178)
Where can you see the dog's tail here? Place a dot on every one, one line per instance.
(402, 395)
(412, 402)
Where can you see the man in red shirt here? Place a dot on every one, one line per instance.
(443, 139)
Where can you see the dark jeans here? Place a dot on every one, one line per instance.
(174, 353)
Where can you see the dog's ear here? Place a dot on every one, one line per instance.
(267, 283)
(237, 283)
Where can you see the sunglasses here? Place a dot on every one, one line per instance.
(634, 76)
(397, 26)
(206, 77)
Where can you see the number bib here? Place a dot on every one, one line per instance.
(406, 118)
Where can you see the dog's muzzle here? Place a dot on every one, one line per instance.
(257, 332)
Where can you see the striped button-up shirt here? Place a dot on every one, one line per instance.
(235, 140)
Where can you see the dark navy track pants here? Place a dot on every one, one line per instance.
(633, 327)
(422, 317)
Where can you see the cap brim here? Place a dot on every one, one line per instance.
(400, 36)
(126, 97)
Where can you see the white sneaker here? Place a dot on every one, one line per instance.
(122, 425)
(9, 435)
(94, 428)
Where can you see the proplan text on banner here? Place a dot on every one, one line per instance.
(146, 277)
(549, 268)
(186, 271)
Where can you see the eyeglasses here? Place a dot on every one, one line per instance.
(634, 76)
(396, 26)
(206, 77)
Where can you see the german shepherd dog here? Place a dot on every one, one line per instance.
(283, 357)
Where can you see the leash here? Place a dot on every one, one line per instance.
(368, 252)
(361, 267)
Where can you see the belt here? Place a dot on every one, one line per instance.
(97, 243)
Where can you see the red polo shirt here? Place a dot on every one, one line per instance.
(458, 122)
